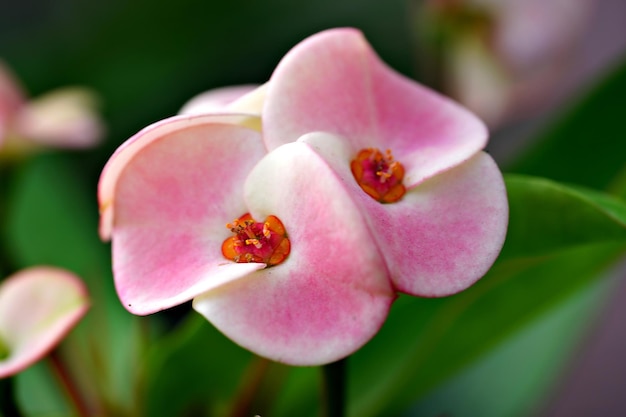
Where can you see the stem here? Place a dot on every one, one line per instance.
(252, 380)
(8, 405)
(335, 388)
(68, 383)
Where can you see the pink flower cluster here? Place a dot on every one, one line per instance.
(292, 214)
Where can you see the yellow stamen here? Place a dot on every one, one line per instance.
(254, 241)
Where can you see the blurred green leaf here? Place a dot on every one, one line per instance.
(586, 146)
(52, 217)
(38, 394)
(195, 370)
(546, 216)
(300, 394)
(517, 377)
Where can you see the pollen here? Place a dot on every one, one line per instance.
(379, 175)
(262, 242)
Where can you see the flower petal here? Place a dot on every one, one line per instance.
(114, 166)
(38, 307)
(454, 224)
(444, 234)
(174, 187)
(334, 82)
(218, 99)
(331, 295)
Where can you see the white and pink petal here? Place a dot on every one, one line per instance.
(446, 233)
(174, 189)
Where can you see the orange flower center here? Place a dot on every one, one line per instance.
(254, 241)
(379, 175)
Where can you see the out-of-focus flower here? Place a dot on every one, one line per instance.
(65, 118)
(38, 307)
(328, 225)
(501, 58)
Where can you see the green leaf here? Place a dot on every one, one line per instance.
(515, 378)
(195, 369)
(586, 145)
(546, 216)
(38, 393)
(52, 218)
(300, 394)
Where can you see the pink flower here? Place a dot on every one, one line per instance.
(38, 307)
(322, 231)
(64, 118)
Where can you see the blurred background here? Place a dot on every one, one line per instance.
(518, 64)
